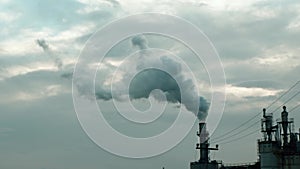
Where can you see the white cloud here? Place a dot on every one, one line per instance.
(280, 57)
(250, 92)
(8, 16)
(52, 90)
(264, 13)
(163, 6)
(93, 5)
(225, 5)
(24, 69)
(74, 32)
(294, 26)
(38, 93)
(25, 42)
(114, 62)
(27, 96)
(4, 1)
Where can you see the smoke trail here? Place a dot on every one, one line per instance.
(148, 80)
(140, 41)
(43, 44)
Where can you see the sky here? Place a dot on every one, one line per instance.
(41, 40)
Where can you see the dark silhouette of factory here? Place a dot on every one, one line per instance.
(278, 149)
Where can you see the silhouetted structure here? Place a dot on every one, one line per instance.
(204, 149)
(280, 146)
(278, 149)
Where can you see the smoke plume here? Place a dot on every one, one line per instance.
(171, 81)
(140, 41)
(44, 45)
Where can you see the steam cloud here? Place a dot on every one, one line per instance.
(148, 80)
(44, 45)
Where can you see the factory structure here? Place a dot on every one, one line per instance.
(279, 147)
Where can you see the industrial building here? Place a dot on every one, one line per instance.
(204, 149)
(279, 147)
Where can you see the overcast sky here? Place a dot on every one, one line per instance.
(258, 42)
